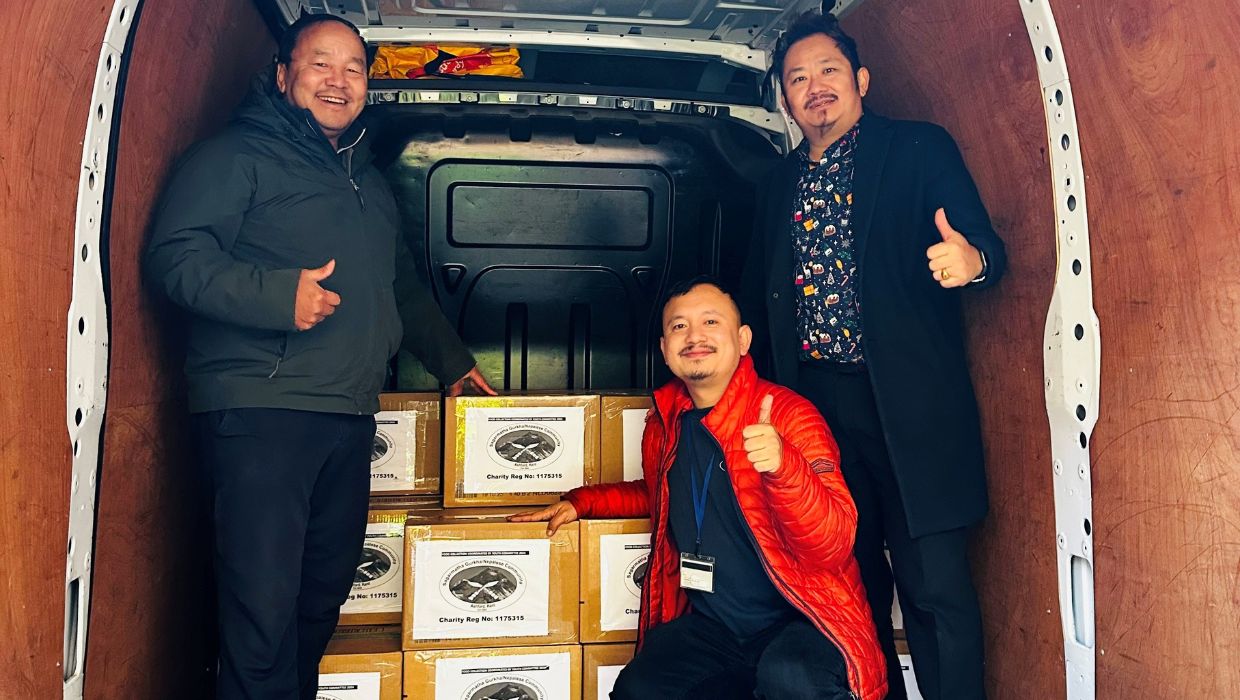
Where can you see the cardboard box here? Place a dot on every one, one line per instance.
(600, 664)
(489, 583)
(551, 672)
(405, 457)
(377, 592)
(623, 419)
(518, 449)
(361, 666)
(406, 502)
(613, 568)
(425, 516)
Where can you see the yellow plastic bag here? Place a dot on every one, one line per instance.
(435, 60)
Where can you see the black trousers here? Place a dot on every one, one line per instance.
(694, 657)
(289, 493)
(941, 614)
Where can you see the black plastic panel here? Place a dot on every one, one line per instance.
(615, 208)
(549, 241)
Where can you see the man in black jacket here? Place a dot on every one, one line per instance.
(867, 235)
(280, 238)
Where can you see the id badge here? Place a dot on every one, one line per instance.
(697, 572)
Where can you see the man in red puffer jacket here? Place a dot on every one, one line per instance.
(752, 587)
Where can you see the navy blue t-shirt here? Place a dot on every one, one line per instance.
(745, 600)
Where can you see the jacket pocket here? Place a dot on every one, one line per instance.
(281, 353)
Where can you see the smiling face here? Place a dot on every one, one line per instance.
(703, 339)
(326, 75)
(821, 91)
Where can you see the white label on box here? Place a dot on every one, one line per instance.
(519, 676)
(607, 680)
(393, 457)
(622, 568)
(910, 680)
(349, 686)
(524, 450)
(633, 421)
(897, 614)
(465, 589)
(377, 582)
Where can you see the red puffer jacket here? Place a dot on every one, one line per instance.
(802, 516)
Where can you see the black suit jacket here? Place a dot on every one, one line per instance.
(912, 336)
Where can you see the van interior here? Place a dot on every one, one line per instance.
(549, 213)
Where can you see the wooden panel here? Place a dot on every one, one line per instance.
(968, 65)
(152, 621)
(46, 86)
(1157, 85)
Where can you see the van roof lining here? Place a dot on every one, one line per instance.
(755, 23)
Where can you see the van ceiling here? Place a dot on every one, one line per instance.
(755, 23)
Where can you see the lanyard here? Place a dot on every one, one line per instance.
(699, 497)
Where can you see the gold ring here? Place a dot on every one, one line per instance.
(944, 274)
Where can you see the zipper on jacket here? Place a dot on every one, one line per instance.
(655, 514)
(347, 152)
(782, 585)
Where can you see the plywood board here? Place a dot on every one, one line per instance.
(47, 90)
(968, 65)
(152, 590)
(1156, 86)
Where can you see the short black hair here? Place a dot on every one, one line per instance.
(288, 40)
(683, 287)
(807, 25)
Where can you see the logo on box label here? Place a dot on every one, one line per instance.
(635, 575)
(377, 565)
(526, 447)
(482, 584)
(382, 450)
(505, 688)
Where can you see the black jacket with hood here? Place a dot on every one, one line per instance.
(243, 213)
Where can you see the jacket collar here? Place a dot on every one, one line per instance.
(672, 400)
(871, 156)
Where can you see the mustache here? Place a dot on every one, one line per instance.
(813, 99)
(698, 347)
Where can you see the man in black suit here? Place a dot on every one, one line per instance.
(867, 235)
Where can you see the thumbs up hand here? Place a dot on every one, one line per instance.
(313, 302)
(763, 444)
(954, 262)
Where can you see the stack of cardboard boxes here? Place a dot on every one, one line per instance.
(453, 601)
